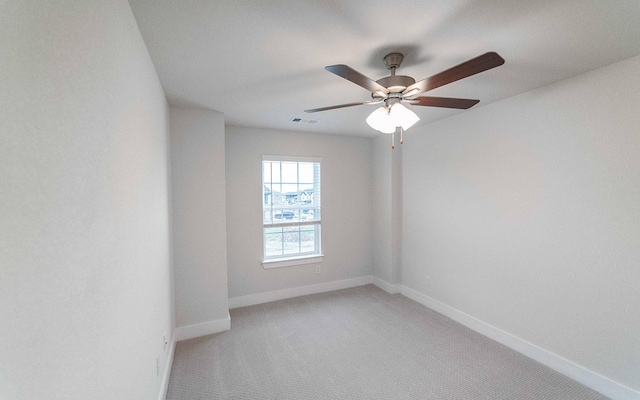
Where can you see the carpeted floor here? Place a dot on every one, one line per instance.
(359, 343)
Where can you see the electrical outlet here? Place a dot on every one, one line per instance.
(427, 280)
(318, 269)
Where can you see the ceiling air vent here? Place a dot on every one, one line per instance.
(299, 120)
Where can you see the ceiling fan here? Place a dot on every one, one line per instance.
(395, 89)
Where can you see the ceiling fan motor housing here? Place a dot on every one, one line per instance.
(393, 60)
(396, 83)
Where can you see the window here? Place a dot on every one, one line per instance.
(291, 210)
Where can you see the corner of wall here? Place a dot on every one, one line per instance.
(199, 218)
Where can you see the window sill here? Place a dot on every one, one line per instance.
(290, 262)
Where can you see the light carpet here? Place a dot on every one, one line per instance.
(358, 343)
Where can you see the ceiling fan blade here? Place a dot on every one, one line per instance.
(342, 106)
(468, 68)
(446, 102)
(350, 74)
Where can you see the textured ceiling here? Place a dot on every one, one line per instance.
(262, 62)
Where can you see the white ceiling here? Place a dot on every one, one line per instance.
(262, 62)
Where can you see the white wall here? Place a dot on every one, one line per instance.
(382, 206)
(199, 215)
(525, 213)
(346, 208)
(387, 209)
(85, 273)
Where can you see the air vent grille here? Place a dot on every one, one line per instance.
(298, 120)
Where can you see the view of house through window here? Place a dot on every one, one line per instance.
(291, 206)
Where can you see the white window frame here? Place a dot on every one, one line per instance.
(294, 259)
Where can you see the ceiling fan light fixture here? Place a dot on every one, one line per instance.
(403, 117)
(380, 120)
(386, 121)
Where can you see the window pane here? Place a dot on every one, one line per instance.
(284, 215)
(290, 191)
(266, 172)
(306, 173)
(273, 244)
(266, 192)
(276, 195)
(275, 172)
(307, 214)
(291, 242)
(267, 218)
(289, 172)
(307, 239)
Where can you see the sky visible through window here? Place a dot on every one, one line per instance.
(289, 176)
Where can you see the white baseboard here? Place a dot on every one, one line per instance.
(202, 329)
(593, 380)
(386, 286)
(168, 364)
(266, 297)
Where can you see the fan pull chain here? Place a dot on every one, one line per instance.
(393, 137)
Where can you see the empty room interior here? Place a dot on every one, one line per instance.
(320, 199)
